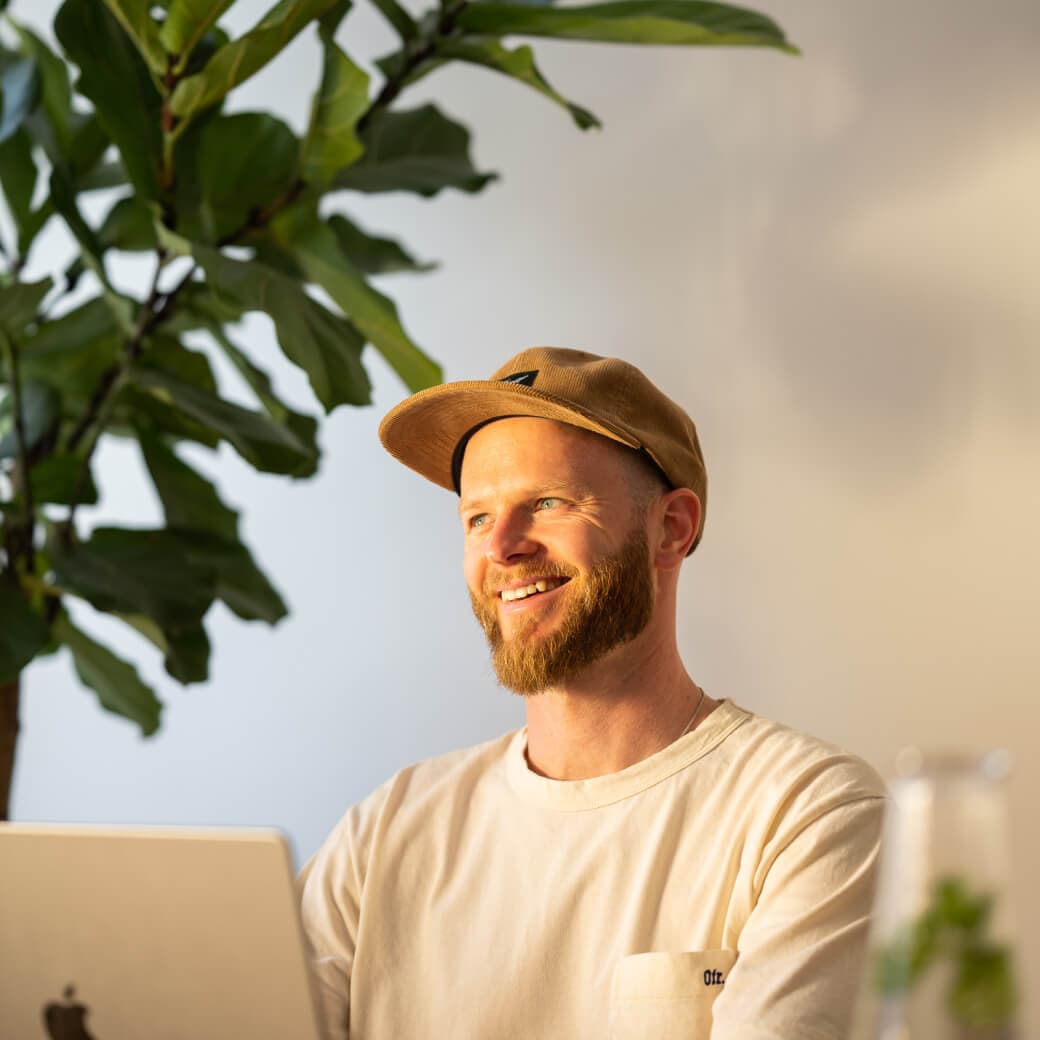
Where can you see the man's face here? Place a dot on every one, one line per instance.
(556, 557)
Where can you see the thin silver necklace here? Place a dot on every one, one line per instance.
(686, 728)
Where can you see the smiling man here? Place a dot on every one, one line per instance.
(642, 861)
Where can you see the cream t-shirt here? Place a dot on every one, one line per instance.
(720, 888)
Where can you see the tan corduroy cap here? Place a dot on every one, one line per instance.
(428, 431)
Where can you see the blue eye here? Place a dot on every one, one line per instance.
(479, 520)
(547, 503)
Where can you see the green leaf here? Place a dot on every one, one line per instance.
(518, 64)
(199, 307)
(208, 530)
(245, 161)
(317, 250)
(370, 254)
(169, 355)
(686, 22)
(71, 352)
(105, 175)
(418, 150)
(341, 100)
(129, 225)
(19, 304)
(136, 572)
(55, 91)
(188, 499)
(136, 18)
(19, 91)
(238, 60)
(116, 80)
(87, 147)
(187, 21)
(399, 18)
(329, 22)
(304, 427)
(23, 633)
(311, 336)
(186, 651)
(240, 583)
(63, 196)
(117, 684)
(264, 444)
(137, 408)
(41, 410)
(18, 179)
(55, 479)
(18, 174)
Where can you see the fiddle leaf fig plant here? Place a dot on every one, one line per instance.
(230, 213)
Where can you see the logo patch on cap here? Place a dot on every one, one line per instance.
(521, 378)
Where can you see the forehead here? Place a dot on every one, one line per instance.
(523, 450)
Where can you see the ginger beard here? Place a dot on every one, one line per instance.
(605, 608)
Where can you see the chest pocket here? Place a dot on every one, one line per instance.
(667, 996)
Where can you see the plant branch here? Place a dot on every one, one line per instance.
(262, 216)
(425, 50)
(146, 320)
(171, 126)
(153, 311)
(22, 479)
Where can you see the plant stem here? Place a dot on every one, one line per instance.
(145, 323)
(260, 218)
(427, 49)
(170, 131)
(8, 741)
(94, 420)
(22, 481)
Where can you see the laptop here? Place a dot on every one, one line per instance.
(120, 933)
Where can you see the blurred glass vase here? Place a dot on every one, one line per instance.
(941, 964)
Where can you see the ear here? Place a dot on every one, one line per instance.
(679, 520)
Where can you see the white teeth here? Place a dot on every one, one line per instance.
(542, 585)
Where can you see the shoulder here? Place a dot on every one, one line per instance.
(795, 789)
(416, 796)
(777, 758)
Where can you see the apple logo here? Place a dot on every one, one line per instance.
(67, 1021)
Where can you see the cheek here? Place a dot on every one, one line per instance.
(473, 567)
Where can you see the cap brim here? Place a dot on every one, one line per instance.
(424, 429)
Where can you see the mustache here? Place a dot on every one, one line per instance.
(494, 580)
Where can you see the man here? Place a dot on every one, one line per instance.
(642, 861)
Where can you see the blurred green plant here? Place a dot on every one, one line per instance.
(954, 930)
(231, 209)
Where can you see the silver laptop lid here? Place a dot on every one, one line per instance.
(132, 933)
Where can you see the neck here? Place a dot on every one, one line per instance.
(627, 706)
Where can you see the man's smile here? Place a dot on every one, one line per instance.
(533, 588)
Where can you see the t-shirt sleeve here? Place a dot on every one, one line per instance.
(801, 950)
(329, 890)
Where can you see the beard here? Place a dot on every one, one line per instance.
(605, 608)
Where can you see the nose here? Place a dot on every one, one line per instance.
(510, 539)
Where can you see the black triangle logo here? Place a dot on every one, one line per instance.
(521, 378)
